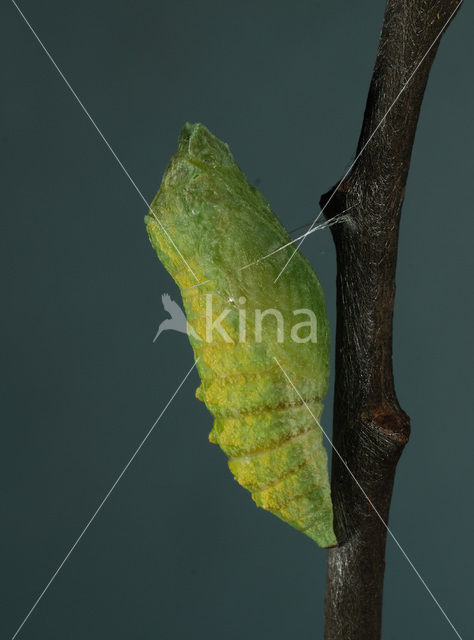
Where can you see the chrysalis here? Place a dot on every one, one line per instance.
(240, 320)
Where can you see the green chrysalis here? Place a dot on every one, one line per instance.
(240, 320)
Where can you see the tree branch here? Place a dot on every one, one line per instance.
(370, 428)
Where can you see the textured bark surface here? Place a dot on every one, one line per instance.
(370, 428)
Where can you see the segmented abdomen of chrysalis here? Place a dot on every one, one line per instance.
(241, 322)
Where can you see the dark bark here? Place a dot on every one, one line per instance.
(370, 428)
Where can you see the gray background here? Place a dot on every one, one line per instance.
(180, 550)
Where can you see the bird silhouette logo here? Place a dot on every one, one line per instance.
(177, 320)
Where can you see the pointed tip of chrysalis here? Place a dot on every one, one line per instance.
(197, 142)
(322, 532)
